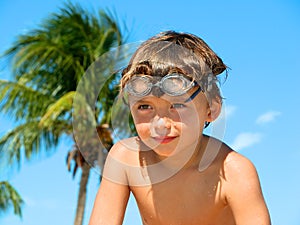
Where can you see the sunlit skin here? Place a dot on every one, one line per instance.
(227, 192)
(164, 123)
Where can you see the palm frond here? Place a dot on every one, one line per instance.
(59, 107)
(27, 140)
(9, 197)
(22, 101)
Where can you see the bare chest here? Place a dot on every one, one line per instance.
(186, 198)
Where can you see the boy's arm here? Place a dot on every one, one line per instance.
(110, 204)
(244, 194)
(113, 194)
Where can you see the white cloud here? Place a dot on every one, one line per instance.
(247, 139)
(267, 117)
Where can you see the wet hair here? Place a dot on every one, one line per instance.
(174, 52)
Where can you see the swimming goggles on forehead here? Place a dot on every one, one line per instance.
(172, 84)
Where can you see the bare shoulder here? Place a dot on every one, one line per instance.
(241, 178)
(125, 151)
(232, 163)
(242, 190)
(122, 157)
(237, 170)
(237, 166)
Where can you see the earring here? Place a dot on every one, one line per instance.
(206, 124)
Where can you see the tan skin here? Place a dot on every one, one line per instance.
(222, 189)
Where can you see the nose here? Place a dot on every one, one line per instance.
(160, 126)
(163, 123)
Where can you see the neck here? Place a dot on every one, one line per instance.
(159, 168)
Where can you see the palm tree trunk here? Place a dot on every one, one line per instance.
(82, 194)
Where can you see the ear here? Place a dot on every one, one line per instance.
(214, 109)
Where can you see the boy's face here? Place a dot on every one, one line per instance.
(169, 124)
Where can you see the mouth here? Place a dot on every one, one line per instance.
(164, 139)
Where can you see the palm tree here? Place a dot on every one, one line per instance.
(47, 65)
(9, 197)
(76, 156)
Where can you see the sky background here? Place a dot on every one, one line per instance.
(258, 40)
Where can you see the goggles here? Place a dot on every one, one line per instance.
(173, 85)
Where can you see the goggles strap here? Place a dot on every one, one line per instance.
(194, 94)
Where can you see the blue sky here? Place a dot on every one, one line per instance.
(258, 40)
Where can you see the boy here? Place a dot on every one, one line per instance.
(177, 174)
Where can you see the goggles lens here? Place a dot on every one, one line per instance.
(173, 85)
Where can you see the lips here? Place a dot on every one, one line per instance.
(164, 140)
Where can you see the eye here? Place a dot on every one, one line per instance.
(144, 107)
(177, 106)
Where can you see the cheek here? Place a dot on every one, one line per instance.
(192, 124)
(190, 129)
(191, 118)
(143, 129)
